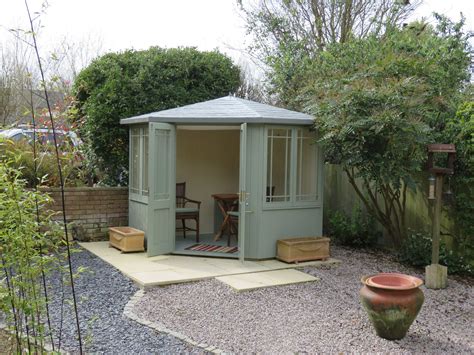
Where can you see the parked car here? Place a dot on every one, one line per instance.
(43, 135)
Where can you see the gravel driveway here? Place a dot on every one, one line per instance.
(324, 316)
(103, 292)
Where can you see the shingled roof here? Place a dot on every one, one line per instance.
(225, 110)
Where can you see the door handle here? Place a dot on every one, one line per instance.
(243, 196)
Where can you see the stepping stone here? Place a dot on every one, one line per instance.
(252, 281)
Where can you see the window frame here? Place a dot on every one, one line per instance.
(293, 202)
(288, 169)
(141, 195)
(299, 173)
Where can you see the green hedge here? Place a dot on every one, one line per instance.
(121, 85)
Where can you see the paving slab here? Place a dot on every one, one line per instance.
(252, 281)
(169, 269)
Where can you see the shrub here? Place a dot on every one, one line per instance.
(357, 230)
(20, 156)
(416, 251)
(379, 101)
(121, 85)
(460, 131)
(29, 249)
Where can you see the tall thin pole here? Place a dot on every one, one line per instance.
(437, 218)
(61, 178)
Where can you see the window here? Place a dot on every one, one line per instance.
(145, 163)
(278, 164)
(139, 161)
(291, 167)
(135, 160)
(306, 170)
(161, 181)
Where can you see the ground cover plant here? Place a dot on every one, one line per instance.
(416, 251)
(355, 230)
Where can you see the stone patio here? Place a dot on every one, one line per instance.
(171, 269)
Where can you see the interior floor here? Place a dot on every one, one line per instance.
(182, 244)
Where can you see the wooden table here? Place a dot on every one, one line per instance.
(226, 203)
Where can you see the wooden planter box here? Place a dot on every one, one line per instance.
(126, 239)
(303, 249)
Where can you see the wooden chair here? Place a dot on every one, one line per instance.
(184, 212)
(233, 216)
(269, 194)
(233, 224)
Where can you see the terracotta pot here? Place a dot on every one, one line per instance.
(392, 302)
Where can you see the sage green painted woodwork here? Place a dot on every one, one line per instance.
(269, 222)
(138, 203)
(243, 197)
(264, 222)
(137, 215)
(162, 182)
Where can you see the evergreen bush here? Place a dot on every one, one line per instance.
(130, 83)
(356, 230)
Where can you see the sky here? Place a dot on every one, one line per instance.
(139, 24)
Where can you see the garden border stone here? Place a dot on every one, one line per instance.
(128, 312)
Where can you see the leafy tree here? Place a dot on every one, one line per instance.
(378, 101)
(120, 85)
(250, 87)
(288, 31)
(460, 131)
(14, 81)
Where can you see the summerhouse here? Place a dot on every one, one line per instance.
(252, 171)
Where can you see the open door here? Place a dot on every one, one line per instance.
(243, 195)
(161, 199)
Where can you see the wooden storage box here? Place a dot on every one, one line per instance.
(303, 249)
(127, 239)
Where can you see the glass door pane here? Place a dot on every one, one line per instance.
(162, 138)
(145, 187)
(135, 160)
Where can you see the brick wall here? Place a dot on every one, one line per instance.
(91, 210)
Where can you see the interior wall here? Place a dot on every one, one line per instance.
(208, 161)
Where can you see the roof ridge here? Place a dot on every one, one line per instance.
(226, 109)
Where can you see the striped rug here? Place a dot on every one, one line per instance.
(213, 248)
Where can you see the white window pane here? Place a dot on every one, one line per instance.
(162, 166)
(135, 161)
(306, 172)
(145, 163)
(278, 165)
